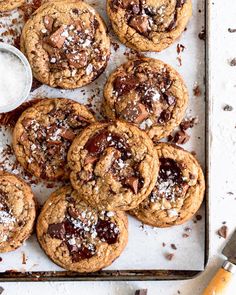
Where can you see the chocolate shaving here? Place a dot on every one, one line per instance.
(232, 62)
(227, 108)
(180, 48)
(197, 91)
(180, 137)
(141, 292)
(169, 256)
(202, 35)
(231, 30)
(223, 231)
(173, 246)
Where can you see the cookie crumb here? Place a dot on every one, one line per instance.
(223, 232)
(180, 137)
(163, 244)
(188, 123)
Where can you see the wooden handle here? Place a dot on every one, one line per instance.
(219, 283)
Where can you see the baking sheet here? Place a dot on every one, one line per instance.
(147, 247)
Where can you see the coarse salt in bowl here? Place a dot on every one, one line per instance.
(15, 78)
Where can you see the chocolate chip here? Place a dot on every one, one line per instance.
(181, 137)
(141, 292)
(228, 108)
(139, 23)
(223, 231)
(57, 230)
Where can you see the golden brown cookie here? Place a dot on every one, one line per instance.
(179, 189)
(114, 165)
(149, 25)
(43, 135)
(77, 237)
(6, 5)
(146, 92)
(17, 212)
(66, 44)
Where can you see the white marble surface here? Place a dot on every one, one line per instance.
(223, 205)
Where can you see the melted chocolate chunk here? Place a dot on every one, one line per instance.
(169, 169)
(82, 252)
(57, 230)
(164, 117)
(122, 85)
(107, 231)
(100, 141)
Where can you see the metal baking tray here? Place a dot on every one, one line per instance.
(139, 273)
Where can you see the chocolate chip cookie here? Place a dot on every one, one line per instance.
(149, 25)
(66, 44)
(44, 133)
(179, 189)
(146, 92)
(114, 165)
(6, 5)
(17, 212)
(78, 237)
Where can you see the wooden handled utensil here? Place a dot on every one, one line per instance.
(218, 285)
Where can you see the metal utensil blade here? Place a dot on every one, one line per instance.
(230, 249)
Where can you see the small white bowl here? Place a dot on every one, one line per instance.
(28, 73)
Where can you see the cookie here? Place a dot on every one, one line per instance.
(78, 237)
(6, 5)
(179, 189)
(66, 44)
(44, 133)
(17, 212)
(146, 92)
(149, 25)
(114, 165)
